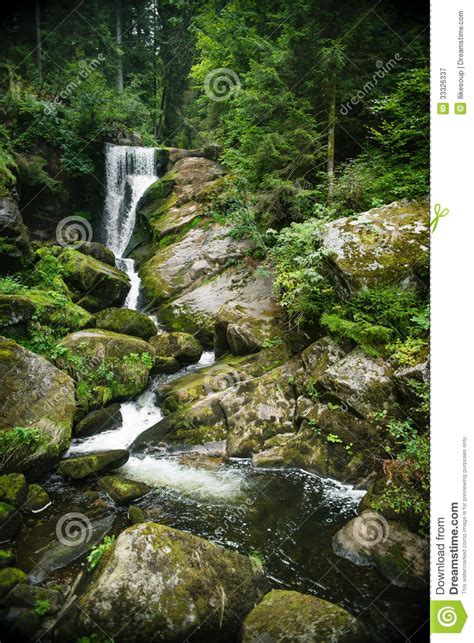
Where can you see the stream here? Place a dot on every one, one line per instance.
(286, 517)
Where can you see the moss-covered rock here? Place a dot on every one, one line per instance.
(184, 348)
(399, 554)
(103, 419)
(383, 246)
(136, 515)
(98, 251)
(15, 248)
(10, 521)
(13, 489)
(9, 578)
(15, 309)
(22, 595)
(165, 365)
(7, 558)
(81, 466)
(37, 499)
(95, 285)
(33, 435)
(20, 623)
(122, 490)
(176, 585)
(126, 321)
(106, 365)
(287, 616)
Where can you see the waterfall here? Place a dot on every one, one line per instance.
(128, 171)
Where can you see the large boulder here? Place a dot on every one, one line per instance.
(94, 284)
(182, 347)
(47, 307)
(197, 310)
(175, 585)
(200, 254)
(37, 407)
(126, 321)
(13, 489)
(380, 247)
(399, 554)
(106, 365)
(15, 247)
(82, 466)
(287, 616)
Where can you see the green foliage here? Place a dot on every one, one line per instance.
(299, 271)
(13, 441)
(257, 560)
(42, 607)
(93, 559)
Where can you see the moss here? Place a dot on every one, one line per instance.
(125, 321)
(122, 490)
(37, 498)
(13, 489)
(7, 558)
(9, 577)
(183, 347)
(85, 465)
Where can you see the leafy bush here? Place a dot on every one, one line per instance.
(93, 559)
(13, 441)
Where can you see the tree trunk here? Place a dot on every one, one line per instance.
(39, 53)
(119, 46)
(155, 84)
(331, 140)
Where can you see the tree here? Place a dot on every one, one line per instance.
(119, 18)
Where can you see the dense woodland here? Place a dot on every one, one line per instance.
(316, 109)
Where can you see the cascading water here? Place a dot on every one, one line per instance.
(129, 171)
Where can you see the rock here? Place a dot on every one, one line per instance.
(200, 254)
(136, 515)
(15, 309)
(82, 466)
(98, 251)
(165, 365)
(21, 623)
(95, 285)
(33, 435)
(378, 499)
(411, 382)
(126, 322)
(242, 329)
(319, 355)
(13, 489)
(184, 348)
(259, 409)
(9, 578)
(122, 490)
(107, 365)
(37, 499)
(398, 553)
(382, 246)
(48, 307)
(10, 522)
(196, 311)
(105, 419)
(23, 595)
(173, 582)
(287, 616)
(7, 558)
(15, 247)
(363, 383)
